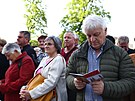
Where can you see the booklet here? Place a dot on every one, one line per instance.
(88, 77)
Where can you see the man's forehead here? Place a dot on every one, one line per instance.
(97, 29)
(69, 34)
(41, 39)
(21, 34)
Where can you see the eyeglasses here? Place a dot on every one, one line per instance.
(8, 55)
(49, 44)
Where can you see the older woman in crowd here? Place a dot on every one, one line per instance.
(54, 73)
(16, 75)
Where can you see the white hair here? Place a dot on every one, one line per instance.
(72, 33)
(76, 36)
(92, 22)
(10, 48)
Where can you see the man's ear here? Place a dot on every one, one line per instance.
(27, 39)
(15, 51)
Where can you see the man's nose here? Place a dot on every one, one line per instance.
(93, 38)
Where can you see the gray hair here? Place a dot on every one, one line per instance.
(57, 42)
(71, 33)
(76, 36)
(26, 34)
(123, 39)
(92, 22)
(10, 48)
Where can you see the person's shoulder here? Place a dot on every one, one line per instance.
(117, 48)
(28, 47)
(27, 57)
(59, 57)
(131, 51)
(30, 50)
(75, 47)
(2, 55)
(83, 48)
(120, 52)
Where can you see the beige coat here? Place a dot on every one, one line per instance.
(54, 73)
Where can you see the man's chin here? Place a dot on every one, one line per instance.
(18, 43)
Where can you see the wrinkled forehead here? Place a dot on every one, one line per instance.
(94, 30)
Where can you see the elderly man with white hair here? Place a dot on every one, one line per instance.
(97, 52)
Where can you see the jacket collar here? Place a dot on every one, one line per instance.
(21, 56)
(83, 50)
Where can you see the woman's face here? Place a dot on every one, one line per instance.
(50, 48)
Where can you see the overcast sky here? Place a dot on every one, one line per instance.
(12, 21)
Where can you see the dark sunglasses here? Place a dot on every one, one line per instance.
(49, 44)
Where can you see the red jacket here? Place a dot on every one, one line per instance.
(16, 77)
(67, 55)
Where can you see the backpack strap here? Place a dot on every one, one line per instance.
(20, 62)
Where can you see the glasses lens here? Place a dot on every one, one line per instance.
(49, 44)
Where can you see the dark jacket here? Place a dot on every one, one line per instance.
(31, 52)
(16, 77)
(4, 64)
(115, 65)
(130, 51)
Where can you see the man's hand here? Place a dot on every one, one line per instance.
(79, 84)
(98, 86)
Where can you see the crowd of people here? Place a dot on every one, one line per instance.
(19, 62)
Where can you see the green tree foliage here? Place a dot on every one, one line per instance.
(33, 43)
(77, 11)
(36, 21)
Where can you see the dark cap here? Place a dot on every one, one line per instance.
(42, 37)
